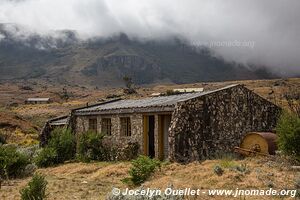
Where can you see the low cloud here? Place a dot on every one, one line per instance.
(270, 26)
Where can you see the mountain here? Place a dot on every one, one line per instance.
(65, 59)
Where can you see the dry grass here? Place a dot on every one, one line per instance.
(95, 180)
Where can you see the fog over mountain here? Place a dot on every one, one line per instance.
(254, 32)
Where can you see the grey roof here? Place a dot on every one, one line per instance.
(162, 101)
(38, 99)
(59, 122)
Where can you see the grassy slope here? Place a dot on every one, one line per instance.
(95, 180)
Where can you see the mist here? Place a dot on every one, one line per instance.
(251, 32)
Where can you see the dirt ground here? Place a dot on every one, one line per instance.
(96, 180)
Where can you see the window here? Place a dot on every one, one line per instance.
(93, 124)
(125, 126)
(106, 126)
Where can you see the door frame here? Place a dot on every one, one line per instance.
(146, 129)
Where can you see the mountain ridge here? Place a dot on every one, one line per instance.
(103, 62)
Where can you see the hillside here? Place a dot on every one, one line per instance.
(25, 121)
(103, 62)
(96, 180)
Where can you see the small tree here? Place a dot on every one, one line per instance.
(129, 85)
(35, 189)
(288, 129)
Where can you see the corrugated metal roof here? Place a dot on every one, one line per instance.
(58, 122)
(38, 99)
(148, 102)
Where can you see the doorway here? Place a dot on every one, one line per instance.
(151, 136)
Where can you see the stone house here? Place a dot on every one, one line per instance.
(184, 127)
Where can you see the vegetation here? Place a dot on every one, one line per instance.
(64, 143)
(90, 147)
(218, 170)
(36, 189)
(129, 85)
(12, 162)
(243, 168)
(141, 169)
(288, 129)
(61, 147)
(47, 157)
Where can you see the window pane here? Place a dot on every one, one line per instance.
(125, 126)
(106, 126)
(93, 124)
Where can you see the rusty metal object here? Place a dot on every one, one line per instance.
(258, 143)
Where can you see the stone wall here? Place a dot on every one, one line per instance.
(216, 123)
(115, 139)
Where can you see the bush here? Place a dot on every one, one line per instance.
(47, 157)
(35, 189)
(243, 168)
(218, 170)
(12, 162)
(30, 151)
(64, 143)
(141, 169)
(288, 129)
(90, 147)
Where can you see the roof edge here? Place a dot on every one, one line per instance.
(97, 104)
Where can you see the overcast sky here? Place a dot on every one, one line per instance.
(264, 32)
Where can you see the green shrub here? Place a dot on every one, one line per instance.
(12, 162)
(227, 163)
(90, 147)
(288, 129)
(141, 169)
(243, 168)
(46, 157)
(35, 189)
(63, 141)
(218, 170)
